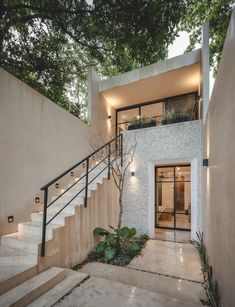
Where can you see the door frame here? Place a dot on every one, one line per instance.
(196, 194)
(174, 166)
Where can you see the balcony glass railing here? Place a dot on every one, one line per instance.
(167, 111)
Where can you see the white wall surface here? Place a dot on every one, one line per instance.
(38, 141)
(164, 145)
(219, 177)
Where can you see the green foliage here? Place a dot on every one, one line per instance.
(118, 247)
(211, 286)
(218, 13)
(49, 44)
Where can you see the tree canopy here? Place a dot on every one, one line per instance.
(218, 13)
(49, 44)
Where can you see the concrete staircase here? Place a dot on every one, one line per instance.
(101, 285)
(61, 281)
(19, 251)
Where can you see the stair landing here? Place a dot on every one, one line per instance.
(16, 266)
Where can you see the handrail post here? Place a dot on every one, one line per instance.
(121, 149)
(109, 161)
(44, 225)
(86, 188)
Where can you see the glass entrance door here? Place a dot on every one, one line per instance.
(173, 197)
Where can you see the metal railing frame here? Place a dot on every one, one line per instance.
(107, 159)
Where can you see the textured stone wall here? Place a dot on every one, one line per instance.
(176, 143)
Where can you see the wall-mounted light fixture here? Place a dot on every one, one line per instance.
(110, 117)
(10, 219)
(57, 185)
(138, 117)
(37, 200)
(205, 162)
(132, 174)
(71, 174)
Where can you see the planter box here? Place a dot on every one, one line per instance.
(142, 125)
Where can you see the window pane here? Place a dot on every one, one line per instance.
(165, 204)
(152, 110)
(165, 174)
(184, 104)
(182, 173)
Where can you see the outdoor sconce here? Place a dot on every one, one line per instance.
(37, 200)
(110, 117)
(57, 185)
(205, 162)
(132, 174)
(10, 219)
(71, 174)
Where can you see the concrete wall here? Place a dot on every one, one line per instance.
(38, 140)
(205, 69)
(72, 243)
(170, 144)
(219, 177)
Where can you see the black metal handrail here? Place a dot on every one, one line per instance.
(106, 159)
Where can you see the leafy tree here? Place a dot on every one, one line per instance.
(218, 13)
(50, 43)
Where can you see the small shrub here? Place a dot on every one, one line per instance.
(119, 246)
(211, 286)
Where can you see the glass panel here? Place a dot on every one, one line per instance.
(183, 204)
(165, 174)
(182, 173)
(125, 117)
(183, 104)
(165, 204)
(152, 110)
(183, 221)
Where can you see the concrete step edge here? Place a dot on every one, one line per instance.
(51, 297)
(33, 288)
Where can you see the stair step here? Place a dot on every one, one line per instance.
(58, 220)
(22, 241)
(13, 257)
(180, 289)
(72, 280)
(66, 198)
(33, 288)
(35, 228)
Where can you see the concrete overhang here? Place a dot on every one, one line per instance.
(175, 76)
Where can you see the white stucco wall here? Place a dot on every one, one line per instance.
(38, 141)
(170, 144)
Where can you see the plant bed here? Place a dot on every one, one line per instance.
(210, 285)
(141, 124)
(118, 247)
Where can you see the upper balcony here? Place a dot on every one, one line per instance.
(165, 111)
(166, 92)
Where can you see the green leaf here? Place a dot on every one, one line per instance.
(134, 246)
(100, 231)
(123, 232)
(110, 238)
(132, 232)
(100, 247)
(109, 253)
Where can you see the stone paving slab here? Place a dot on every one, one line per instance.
(179, 260)
(181, 289)
(99, 292)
